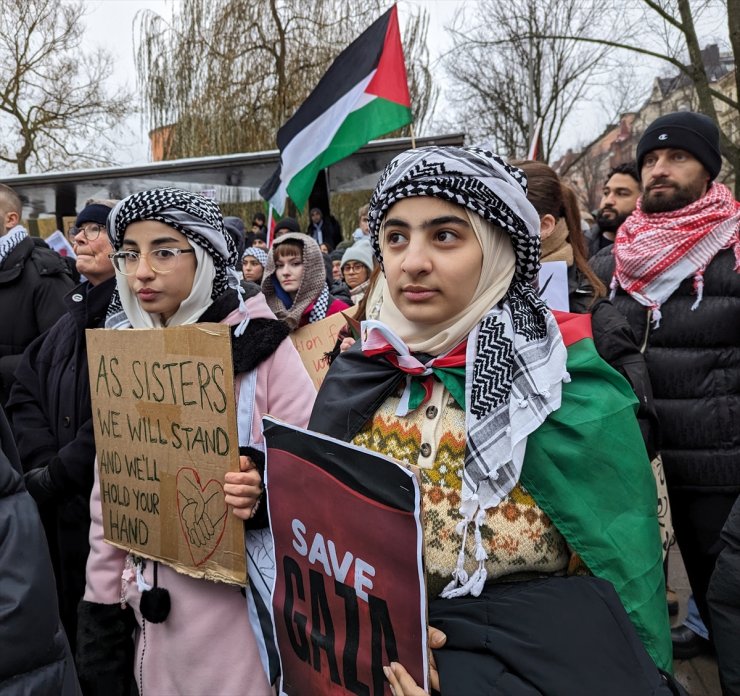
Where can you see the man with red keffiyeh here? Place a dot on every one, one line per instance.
(674, 271)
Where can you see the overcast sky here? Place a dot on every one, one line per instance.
(110, 23)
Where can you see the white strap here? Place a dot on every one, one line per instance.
(245, 409)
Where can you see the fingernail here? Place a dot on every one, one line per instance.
(387, 672)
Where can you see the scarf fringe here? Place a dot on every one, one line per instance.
(613, 288)
(462, 584)
(242, 325)
(142, 584)
(698, 289)
(657, 316)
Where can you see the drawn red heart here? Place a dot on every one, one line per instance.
(202, 511)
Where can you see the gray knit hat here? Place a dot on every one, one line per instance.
(361, 251)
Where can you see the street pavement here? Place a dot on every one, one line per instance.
(699, 675)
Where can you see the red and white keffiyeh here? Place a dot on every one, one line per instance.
(655, 252)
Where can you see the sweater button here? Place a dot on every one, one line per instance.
(426, 449)
(67, 421)
(432, 412)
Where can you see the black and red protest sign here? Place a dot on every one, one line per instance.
(349, 593)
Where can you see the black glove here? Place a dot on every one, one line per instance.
(39, 485)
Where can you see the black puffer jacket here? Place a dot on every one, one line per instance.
(49, 409)
(616, 343)
(694, 363)
(35, 658)
(33, 282)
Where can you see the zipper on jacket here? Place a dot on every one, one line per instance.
(645, 338)
(141, 659)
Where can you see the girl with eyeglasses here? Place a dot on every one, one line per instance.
(357, 265)
(174, 265)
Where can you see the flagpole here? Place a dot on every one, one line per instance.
(269, 228)
(413, 136)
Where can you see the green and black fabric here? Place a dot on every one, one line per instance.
(586, 466)
(606, 510)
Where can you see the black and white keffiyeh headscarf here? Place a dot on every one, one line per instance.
(196, 217)
(515, 355)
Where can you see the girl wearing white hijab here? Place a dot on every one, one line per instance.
(174, 265)
(462, 371)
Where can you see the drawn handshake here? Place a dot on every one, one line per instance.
(201, 510)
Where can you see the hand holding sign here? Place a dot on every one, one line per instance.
(243, 488)
(402, 683)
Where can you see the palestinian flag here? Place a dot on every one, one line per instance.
(363, 95)
(607, 510)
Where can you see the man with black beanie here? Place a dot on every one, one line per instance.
(673, 272)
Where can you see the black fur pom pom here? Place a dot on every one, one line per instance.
(155, 604)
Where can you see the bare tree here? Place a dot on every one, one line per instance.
(222, 76)
(54, 110)
(666, 30)
(504, 81)
(586, 176)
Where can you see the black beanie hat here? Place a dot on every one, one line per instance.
(685, 130)
(287, 223)
(95, 212)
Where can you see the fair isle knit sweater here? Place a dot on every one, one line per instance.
(518, 536)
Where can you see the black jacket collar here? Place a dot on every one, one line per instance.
(261, 337)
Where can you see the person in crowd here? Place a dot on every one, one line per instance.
(618, 200)
(339, 291)
(323, 229)
(528, 482)
(295, 281)
(254, 261)
(51, 416)
(33, 282)
(174, 262)
(560, 232)
(235, 227)
(259, 240)
(562, 240)
(724, 604)
(35, 658)
(286, 225)
(259, 223)
(673, 272)
(356, 266)
(326, 248)
(363, 229)
(336, 265)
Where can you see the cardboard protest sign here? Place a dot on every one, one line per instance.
(553, 285)
(165, 434)
(68, 221)
(47, 227)
(313, 341)
(349, 593)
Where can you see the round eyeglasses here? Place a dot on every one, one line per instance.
(162, 260)
(354, 267)
(91, 232)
